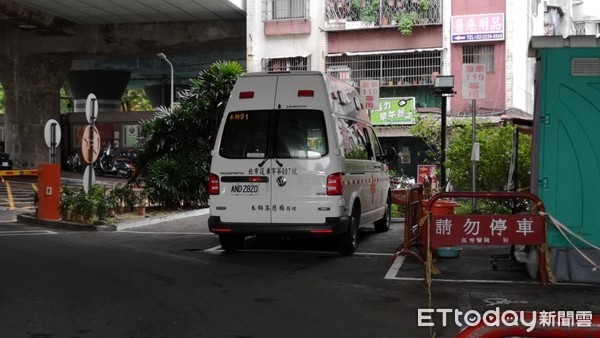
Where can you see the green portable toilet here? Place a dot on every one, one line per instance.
(566, 149)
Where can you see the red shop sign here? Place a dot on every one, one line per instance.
(522, 229)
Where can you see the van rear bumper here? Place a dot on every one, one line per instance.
(332, 226)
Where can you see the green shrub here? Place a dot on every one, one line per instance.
(174, 147)
(78, 206)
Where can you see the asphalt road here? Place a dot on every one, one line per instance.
(172, 280)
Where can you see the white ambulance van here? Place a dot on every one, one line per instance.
(296, 155)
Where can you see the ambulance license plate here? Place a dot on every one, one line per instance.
(245, 189)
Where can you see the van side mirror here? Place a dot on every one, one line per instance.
(390, 154)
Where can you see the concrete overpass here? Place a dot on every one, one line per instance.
(102, 46)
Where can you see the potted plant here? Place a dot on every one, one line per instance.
(68, 197)
(406, 21)
(370, 11)
(83, 209)
(141, 200)
(119, 197)
(99, 198)
(113, 200)
(385, 21)
(355, 10)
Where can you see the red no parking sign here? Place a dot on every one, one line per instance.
(524, 229)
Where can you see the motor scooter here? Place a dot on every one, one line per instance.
(109, 164)
(74, 162)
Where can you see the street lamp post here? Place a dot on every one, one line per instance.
(443, 87)
(164, 57)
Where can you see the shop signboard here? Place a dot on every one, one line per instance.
(477, 28)
(394, 111)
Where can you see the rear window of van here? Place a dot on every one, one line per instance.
(280, 134)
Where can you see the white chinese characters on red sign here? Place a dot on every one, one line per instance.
(369, 93)
(487, 229)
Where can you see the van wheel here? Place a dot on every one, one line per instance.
(348, 242)
(231, 243)
(383, 224)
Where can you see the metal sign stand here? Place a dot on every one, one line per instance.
(93, 124)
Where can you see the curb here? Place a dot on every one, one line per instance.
(58, 224)
(160, 219)
(65, 225)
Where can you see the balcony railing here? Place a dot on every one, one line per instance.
(406, 68)
(353, 14)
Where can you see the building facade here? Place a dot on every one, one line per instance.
(405, 44)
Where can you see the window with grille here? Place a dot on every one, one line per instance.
(408, 68)
(286, 9)
(480, 54)
(286, 64)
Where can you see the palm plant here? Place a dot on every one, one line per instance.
(174, 147)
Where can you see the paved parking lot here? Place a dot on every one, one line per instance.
(467, 283)
(17, 194)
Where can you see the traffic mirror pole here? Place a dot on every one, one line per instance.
(91, 165)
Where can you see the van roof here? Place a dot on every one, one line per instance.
(337, 91)
(284, 73)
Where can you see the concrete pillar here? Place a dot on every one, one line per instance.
(31, 96)
(158, 92)
(107, 85)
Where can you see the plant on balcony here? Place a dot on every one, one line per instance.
(370, 11)
(406, 21)
(364, 10)
(355, 10)
(425, 5)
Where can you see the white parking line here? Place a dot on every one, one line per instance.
(27, 233)
(393, 270)
(163, 232)
(217, 249)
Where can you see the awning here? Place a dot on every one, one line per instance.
(381, 52)
(286, 56)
